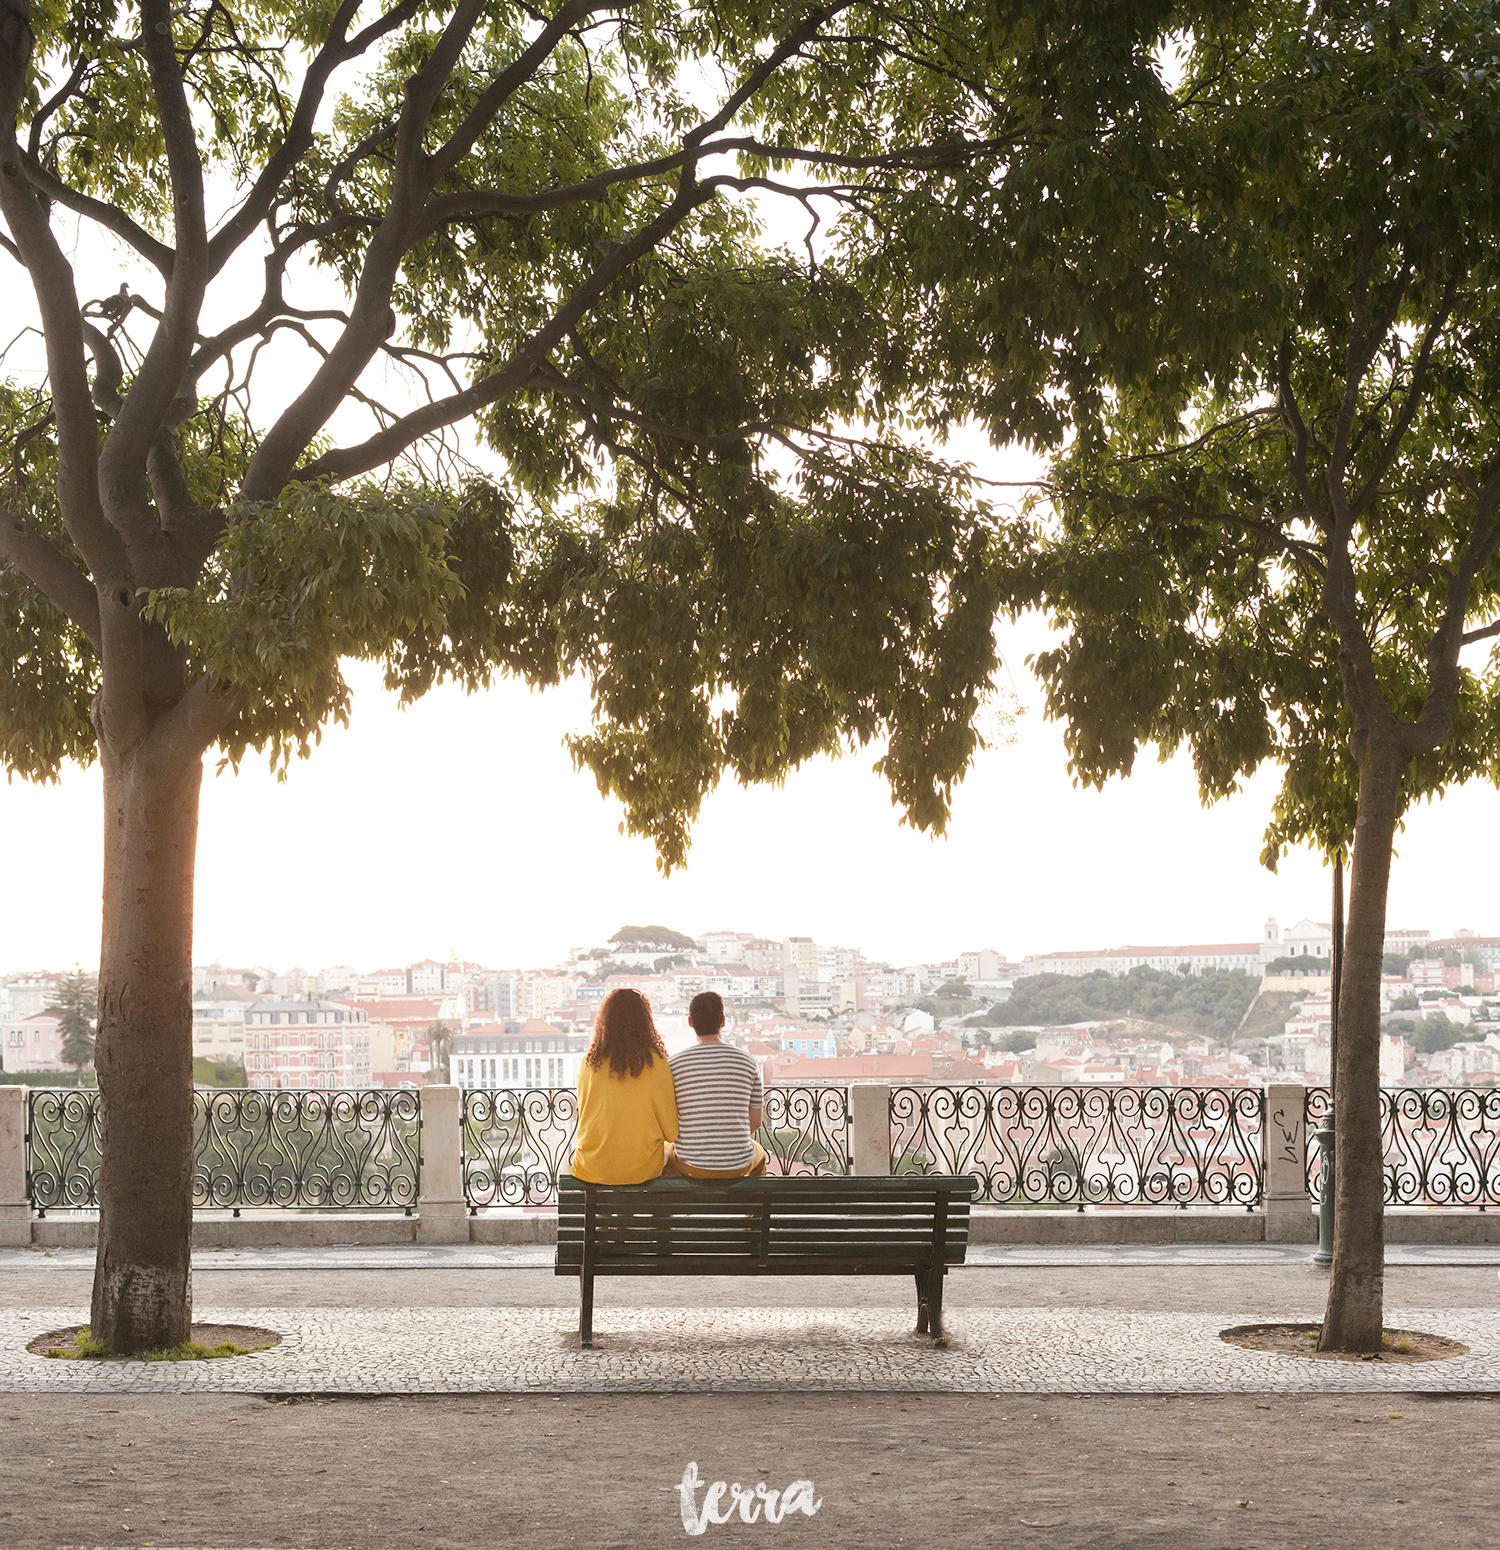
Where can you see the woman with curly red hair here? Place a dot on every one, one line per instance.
(627, 1110)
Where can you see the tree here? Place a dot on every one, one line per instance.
(1276, 528)
(651, 939)
(954, 990)
(440, 1042)
(631, 437)
(77, 1001)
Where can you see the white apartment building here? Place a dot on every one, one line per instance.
(526, 1054)
(986, 964)
(28, 994)
(219, 1029)
(1121, 960)
(764, 955)
(324, 1044)
(724, 946)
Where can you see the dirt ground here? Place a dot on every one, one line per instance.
(931, 1472)
(1292, 1291)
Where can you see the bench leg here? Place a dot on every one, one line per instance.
(586, 1312)
(921, 1303)
(935, 1303)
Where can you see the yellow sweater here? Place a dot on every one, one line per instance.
(623, 1122)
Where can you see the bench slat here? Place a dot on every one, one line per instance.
(749, 1265)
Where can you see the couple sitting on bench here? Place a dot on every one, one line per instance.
(641, 1115)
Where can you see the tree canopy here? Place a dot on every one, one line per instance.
(651, 939)
(618, 425)
(1212, 1003)
(1283, 541)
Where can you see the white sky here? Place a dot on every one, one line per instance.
(460, 825)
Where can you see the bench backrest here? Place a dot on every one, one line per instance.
(767, 1223)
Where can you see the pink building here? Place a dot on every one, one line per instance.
(307, 1044)
(34, 1043)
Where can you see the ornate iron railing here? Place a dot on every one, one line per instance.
(516, 1140)
(1085, 1145)
(805, 1130)
(62, 1148)
(293, 1147)
(1441, 1145)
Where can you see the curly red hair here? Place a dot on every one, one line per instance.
(625, 1034)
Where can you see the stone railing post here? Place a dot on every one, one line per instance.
(15, 1209)
(441, 1214)
(870, 1126)
(1283, 1140)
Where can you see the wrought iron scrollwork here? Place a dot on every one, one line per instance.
(1441, 1145)
(515, 1142)
(294, 1147)
(306, 1147)
(805, 1130)
(62, 1148)
(1085, 1145)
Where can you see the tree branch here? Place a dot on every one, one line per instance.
(1291, 417)
(159, 380)
(336, 50)
(1392, 444)
(156, 253)
(187, 730)
(390, 443)
(62, 331)
(52, 572)
(511, 79)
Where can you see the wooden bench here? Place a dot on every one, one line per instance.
(912, 1225)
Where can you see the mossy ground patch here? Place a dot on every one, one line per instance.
(208, 1342)
(1398, 1346)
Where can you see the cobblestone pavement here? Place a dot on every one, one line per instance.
(529, 1350)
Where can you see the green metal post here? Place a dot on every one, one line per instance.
(1325, 1136)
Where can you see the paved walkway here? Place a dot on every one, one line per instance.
(531, 1350)
(476, 1319)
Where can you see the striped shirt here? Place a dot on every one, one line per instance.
(717, 1086)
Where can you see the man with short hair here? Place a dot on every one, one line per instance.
(719, 1102)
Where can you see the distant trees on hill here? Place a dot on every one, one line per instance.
(649, 939)
(1211, 1003)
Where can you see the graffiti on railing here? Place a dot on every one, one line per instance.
(1085, 1145)
(293, 1147)
(1441, 1145)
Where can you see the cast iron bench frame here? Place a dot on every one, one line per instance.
(912, 1224)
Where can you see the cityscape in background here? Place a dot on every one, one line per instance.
(1220, 1013)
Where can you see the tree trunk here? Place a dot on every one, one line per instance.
(143, 1273)
(1356, 1288)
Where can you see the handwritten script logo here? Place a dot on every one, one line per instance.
(798, 1497)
